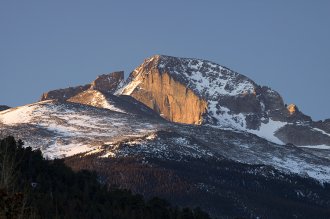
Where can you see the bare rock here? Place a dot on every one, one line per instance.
(108, 83)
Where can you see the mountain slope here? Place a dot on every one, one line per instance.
(64, 129)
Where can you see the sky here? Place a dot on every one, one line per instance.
(282, 44)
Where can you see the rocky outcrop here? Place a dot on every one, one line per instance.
(303, 135)
(4, 107)
(64, 94)
(106, 83)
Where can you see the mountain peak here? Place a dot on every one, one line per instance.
(187, 90)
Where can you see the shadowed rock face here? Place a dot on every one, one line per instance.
(63, 94)
(4, 107)
(324, 125)
(302, 135)
(106, 83)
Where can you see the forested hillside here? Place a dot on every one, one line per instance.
(32, 187)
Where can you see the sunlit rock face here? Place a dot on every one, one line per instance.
(170, 98)
(108, 83)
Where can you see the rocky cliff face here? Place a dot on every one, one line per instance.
(107, 83)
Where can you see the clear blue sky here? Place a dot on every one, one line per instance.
(283, 44)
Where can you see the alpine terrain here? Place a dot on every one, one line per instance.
(188, 130)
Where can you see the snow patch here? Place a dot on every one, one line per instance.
(58, 150)
(322, 146)
(17, 115)
(268, 130)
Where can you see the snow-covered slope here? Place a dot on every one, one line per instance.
(64, 129)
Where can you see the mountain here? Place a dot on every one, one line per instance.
(195, 91)
(188, 130)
